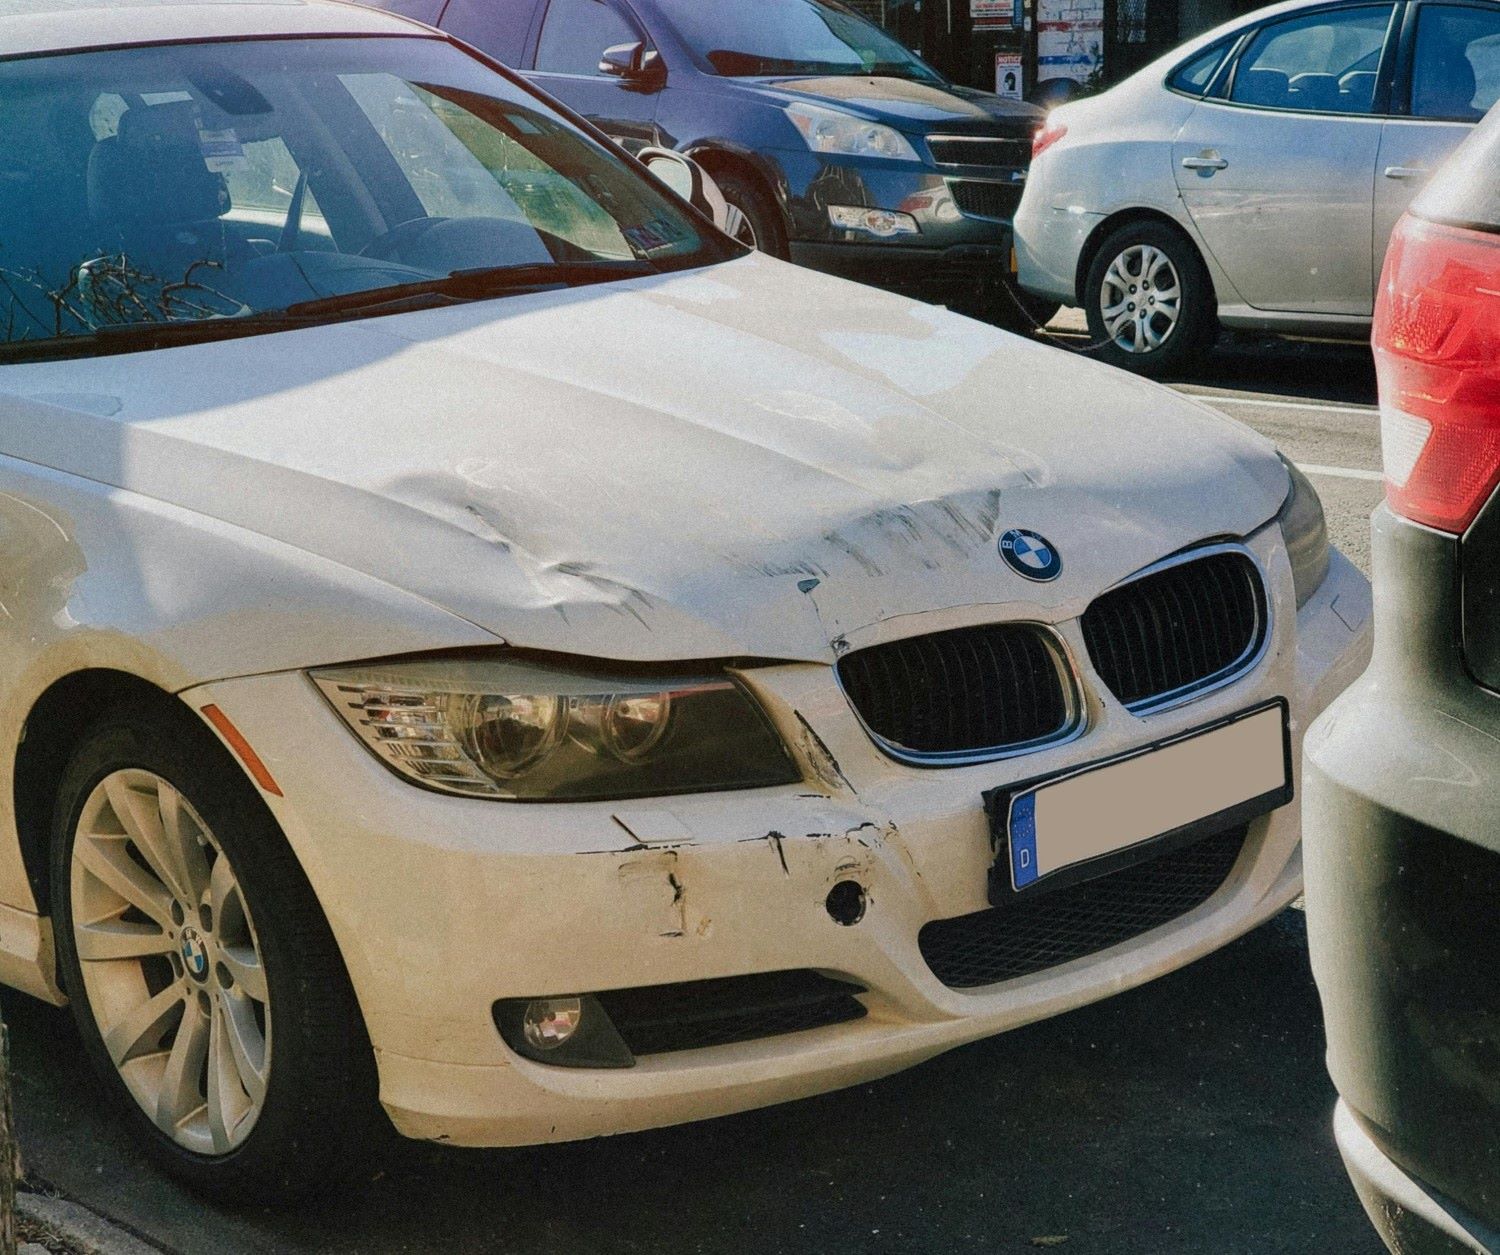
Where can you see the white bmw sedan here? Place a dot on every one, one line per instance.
(480, 644)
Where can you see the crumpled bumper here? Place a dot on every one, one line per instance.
(443, 905)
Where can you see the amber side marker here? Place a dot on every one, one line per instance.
(240, 746)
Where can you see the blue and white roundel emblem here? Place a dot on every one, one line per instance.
(1030, 555)
(194, 954)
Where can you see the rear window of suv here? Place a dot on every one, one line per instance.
(1467, 191)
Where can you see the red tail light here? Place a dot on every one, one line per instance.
(1044, 139)
(1437, 352)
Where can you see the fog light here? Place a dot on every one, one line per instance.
(882, 222)
(549, 1022)
(572, 1031)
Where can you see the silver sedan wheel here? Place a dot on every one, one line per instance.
(170, 961)
(1141, 299)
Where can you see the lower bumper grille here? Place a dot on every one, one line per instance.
(692, 1015)
(1032, 934)
(985, 200)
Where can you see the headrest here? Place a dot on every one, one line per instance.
(1445, 84)
(154, 171)
(1317, 91)
(1262, 87)
(1358, 89)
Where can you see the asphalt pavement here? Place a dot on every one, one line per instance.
(1191, 1115)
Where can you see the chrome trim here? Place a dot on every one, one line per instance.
(1075, 725)
(1223, 678)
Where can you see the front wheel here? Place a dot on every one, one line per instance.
(1149, 300)
(756, 218)
(206, 985)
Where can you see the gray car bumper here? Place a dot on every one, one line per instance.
(1412, 1218)
(1400, 790)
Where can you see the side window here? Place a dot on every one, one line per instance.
(261, 180)
(576, 33)
(461, 167)
(1322, 63)
(1456, 72)
(498, 28)
(1195, 74)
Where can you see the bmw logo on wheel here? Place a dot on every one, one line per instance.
(1030, 555)
(194, 953)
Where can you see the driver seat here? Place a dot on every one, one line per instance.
(152, 197)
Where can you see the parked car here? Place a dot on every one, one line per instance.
(474, 633)
(1251, 179)
(1403, 772)
(844, 150)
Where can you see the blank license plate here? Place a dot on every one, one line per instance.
(1217, 777)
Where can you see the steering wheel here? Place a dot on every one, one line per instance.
(388, 245)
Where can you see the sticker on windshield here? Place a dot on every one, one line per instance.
(222, 150)
(652, 237)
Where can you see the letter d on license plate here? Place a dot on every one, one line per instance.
(1091, 818)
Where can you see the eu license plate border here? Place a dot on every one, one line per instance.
(997, 805)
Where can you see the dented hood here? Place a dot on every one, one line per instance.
(749, 460)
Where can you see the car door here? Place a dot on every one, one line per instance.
(572, 42)
(1277, 171)
(1449, 78)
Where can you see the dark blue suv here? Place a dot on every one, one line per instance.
(843, 150)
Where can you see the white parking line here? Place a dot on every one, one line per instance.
(1341, 472)
(1214, 398)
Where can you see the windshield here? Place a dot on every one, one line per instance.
(151, 187)
(752, 38)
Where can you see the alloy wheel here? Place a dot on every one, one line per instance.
(1141, 299)
(171, 964)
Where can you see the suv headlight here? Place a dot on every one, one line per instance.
(829, 131)
(1305, 531)
(534, 731)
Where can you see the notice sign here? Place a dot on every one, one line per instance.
(988, 14)
(1008, 81)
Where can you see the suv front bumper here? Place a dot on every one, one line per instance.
(953, 257)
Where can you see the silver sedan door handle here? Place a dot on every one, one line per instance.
(1204, 163)
(1405, 172)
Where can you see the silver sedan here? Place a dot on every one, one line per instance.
(1251, 178)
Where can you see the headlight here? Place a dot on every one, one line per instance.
(1305, 531)
(530, 731)
(829, 131)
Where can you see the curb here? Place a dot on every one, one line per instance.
(91, 1233)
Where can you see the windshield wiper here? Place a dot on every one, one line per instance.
(131, 337)
(470, 285)
(462, 285)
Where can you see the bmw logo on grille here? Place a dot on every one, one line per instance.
(1030, 555)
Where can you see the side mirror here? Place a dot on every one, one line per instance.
(635, 63)
(692, 183)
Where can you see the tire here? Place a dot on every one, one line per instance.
(238, 999)
(764, 227)
(1139, 261)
